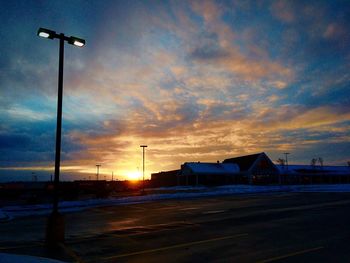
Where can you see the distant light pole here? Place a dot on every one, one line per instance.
(286, 154)
(98, 170)
(34, 178)
(143, 167)
(55, 227)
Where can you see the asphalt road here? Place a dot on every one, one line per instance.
(279, 227)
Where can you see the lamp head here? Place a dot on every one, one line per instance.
(76, 41)
(46, 33)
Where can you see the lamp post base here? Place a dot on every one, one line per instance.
(54, 230)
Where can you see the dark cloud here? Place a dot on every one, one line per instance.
(208, 53)
(14, 141)
(207, 47)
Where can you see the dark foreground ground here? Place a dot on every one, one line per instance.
(290, 227)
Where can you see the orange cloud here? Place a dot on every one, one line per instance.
(226, 55)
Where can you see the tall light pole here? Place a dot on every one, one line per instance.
(143, 167)
(286, 154)
(98, 170)
(55, 226)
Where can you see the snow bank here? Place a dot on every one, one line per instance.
(171, 193)
(70, 206)
(3, 216)
(329, 188)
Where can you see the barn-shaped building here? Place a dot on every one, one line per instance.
(256, 168)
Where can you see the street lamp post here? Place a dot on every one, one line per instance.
(98, 170)
(55, 226)
(143, 167)
(286, 154)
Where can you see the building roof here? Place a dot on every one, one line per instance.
(244, 162)
(308, 169)
(169, 172)
(213, 168)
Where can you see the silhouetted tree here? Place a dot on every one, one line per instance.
(320, 160)
(313, 162)
(281, 161)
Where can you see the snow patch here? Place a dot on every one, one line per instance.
(181, 192)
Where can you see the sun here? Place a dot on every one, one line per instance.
(134, 175)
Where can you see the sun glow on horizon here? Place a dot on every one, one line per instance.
(133, 175)
(108, 172)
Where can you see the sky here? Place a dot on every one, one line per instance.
(193, 80)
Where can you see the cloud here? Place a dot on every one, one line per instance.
(218, 47)
(208, 52)
(21, 113)
(273, 98)
(290, 117)
(201, 81)
(336, 34)
(208, 9)
(283, 10)
(335, 31)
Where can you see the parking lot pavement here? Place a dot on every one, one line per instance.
(279, 227)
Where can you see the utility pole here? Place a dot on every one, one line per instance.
(143, 170)
(112, 176)
(98, 170)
